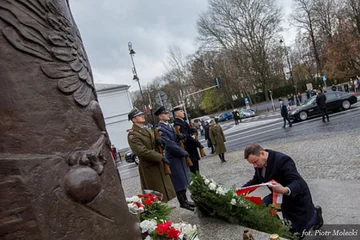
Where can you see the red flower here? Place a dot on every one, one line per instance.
(161, 229)
(256, 200)
(159, 197)
(173, 233)
(148, 198)
(148, 201)
(273, 212)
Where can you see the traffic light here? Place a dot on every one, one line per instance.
(217, 82)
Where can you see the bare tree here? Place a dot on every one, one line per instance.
(304, 17)
(242, 24)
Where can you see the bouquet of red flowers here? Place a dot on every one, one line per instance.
(165, 230)
(149, 206)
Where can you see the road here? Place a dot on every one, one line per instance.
(269, 127)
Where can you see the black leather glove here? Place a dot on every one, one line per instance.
(180, 136)
(165, 160)
(193, 130)
(160, 142)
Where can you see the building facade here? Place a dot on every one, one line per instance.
(115, 103)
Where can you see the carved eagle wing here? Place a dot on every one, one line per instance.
(37, 28)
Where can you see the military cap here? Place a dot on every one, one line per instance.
(133, 113)
(178, 107)
(160, 111)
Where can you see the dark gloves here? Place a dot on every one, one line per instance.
(165, 160)
(180, 136)
(160, 142)
(193, 130)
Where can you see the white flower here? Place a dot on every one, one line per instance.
(148, 226)
(212, 186)
(186, 229)
(133, 199)
(207, 181)
(220, 191)
(233, 201)
(191, 183)
(148, 238)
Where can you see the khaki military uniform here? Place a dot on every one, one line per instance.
(151, 167)
(217, 138)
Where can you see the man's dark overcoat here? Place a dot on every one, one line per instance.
(321, 101)
(283, 110)
(298, 207)
(176, 155)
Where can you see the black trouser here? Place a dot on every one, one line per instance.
(236, 121)
(222, 156)
(195, 167)
(181, 196)
(324, 113)
(210, 145)
(286, 118)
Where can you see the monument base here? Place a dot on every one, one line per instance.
(43, 198)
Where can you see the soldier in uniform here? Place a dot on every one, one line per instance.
(151, 163)
(191, 145)
(218, 140)
(176, 155)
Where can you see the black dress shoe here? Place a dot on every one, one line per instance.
(188, 207)
(191, 204)
(319, 218)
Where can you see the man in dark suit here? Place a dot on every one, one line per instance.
(191, 145)
(321, 103)
(176, 156)
(284, 113)
(297, 205)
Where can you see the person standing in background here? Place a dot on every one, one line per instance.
(218, 140)
(321, 103)
(284, 113)
(207, 137)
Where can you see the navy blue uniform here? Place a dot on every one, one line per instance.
(176, 155)
(191, 145)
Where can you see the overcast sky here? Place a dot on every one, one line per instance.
(106, 27)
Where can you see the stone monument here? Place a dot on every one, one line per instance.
(57, 177)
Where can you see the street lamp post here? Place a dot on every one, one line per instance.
(136, 78)
(290, 68)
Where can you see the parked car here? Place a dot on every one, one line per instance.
(334, 101)
(224, 116)
(131, 157)
(247, 112)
